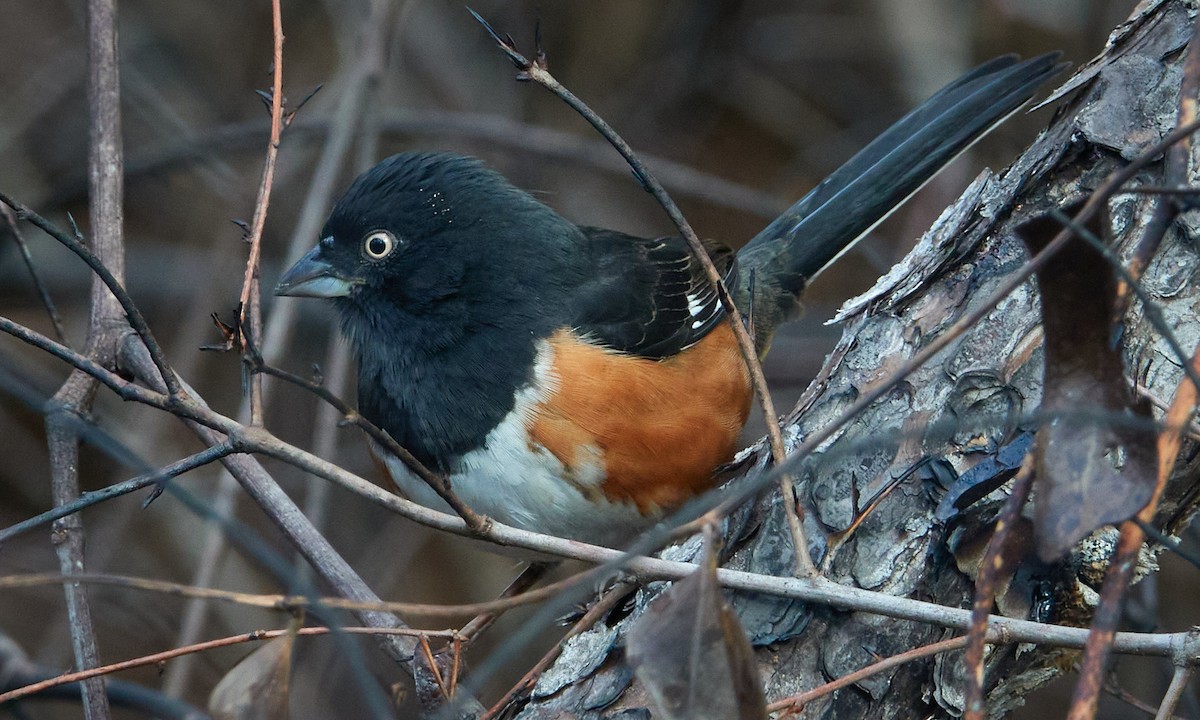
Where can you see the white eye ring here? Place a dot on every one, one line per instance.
(378, 244)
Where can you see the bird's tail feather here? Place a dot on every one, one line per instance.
(826, 222)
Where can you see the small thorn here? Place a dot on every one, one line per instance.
(641, 180)
(228, 335)
(486, 26)
(309, 96)
(75, 230)
(506, 43)
(159, 486)
(540, 59)
(266, 97)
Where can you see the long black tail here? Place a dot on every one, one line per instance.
(826, 222)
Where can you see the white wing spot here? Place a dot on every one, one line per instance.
(695, 304)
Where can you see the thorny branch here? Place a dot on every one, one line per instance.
(161, 657)
(249, 308)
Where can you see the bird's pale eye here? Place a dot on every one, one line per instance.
(378, 244)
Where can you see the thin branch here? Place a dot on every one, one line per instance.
(796, 703)
(1179, 683)
(440, 484)
(990, 569)
(250, 318)
(98, 266)
(520, 587)
(95, 497)
(293, 603)
(598, 610)
(39, 286)
(538, 71)
(253, 636)
(814, 590)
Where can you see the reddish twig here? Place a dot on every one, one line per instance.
(1125, 554)
(253, 636)
(598, 610)
(292, 603)
(990, 570)
(249, 309)
(519, 587)
(796, 703)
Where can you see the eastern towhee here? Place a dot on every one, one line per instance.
(579, 381)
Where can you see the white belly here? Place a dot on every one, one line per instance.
(519, 483)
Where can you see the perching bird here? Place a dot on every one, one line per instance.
(579, 381)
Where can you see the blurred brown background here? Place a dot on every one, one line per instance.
(742, 106)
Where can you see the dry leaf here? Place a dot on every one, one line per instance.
(691, 654)
(1094, 465)
(257, 687)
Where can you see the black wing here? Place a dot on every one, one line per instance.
(647, 297)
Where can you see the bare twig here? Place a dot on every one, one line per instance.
(815, 590)
(109, 279)
(796, 703)
(88, 499)
(39, 286)
(519, 587)
(292, 603)
(538, 71)
(440, 484)
(593, 615)
(1179, 683)
(250, 311)
(253, 636)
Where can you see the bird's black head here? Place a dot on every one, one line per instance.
(446, 278)
(437, 242)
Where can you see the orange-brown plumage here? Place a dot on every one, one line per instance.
(656, 429)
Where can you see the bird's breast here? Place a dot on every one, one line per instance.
(599, 444)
